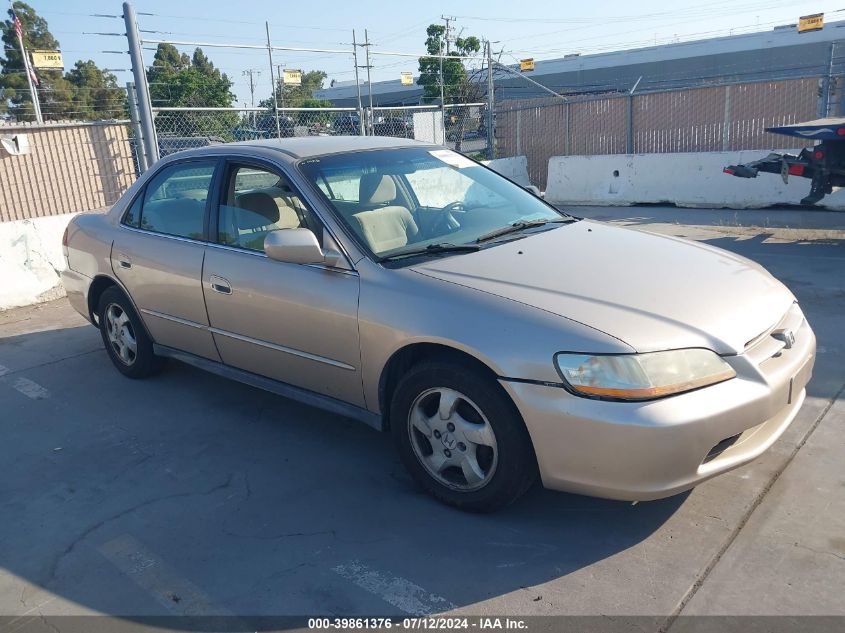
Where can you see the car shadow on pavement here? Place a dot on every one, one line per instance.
(191, 494)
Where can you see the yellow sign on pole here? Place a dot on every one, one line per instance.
(407, 78)
(814, 22)
(526, 64)
(47, 59)
(292, 77)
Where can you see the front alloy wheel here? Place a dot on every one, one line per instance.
(460, 435)
(452, 439)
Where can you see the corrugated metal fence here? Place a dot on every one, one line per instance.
(718, 118)
(70, 166)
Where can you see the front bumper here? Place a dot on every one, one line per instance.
(649, 450)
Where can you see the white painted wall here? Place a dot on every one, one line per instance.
(31, 260)
(685, 179)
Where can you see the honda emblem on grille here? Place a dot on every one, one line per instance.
(787, 336)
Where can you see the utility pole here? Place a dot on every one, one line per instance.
(273, 82)
(369, 79)
(363, 130)
(490, 102)
(448, 19)
(442, 94)
(142, 89)
(251, 73)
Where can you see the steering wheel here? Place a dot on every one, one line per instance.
(446, 222)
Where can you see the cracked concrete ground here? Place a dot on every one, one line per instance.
(187, 494)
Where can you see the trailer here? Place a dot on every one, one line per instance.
(823, 164)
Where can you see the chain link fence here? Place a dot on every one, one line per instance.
(462, 127)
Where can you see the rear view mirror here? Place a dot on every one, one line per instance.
(297, 246)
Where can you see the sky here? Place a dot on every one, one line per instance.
(542, 30)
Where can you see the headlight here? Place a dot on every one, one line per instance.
(642, 376)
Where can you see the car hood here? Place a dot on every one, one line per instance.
(651, 291)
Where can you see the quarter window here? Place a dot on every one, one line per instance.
(175, 199)
(258, 201)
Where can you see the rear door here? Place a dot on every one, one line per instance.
(159, 250)
(295, 323)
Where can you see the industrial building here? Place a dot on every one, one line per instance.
(780, 53)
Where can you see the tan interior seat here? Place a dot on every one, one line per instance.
(385, 226)
(257, 213)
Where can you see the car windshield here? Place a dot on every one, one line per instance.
(424, 200)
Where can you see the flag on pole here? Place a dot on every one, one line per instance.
(19, 31)
(18, 26)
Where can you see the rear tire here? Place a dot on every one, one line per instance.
(461, 438)
(124, 336)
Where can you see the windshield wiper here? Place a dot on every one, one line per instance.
(440, 247)
(521, 225)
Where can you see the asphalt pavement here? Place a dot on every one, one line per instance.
(187, 494)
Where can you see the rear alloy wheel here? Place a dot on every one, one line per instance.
(461, 437)
(124, 336)
(121, 334)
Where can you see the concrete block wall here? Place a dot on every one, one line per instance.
(686, 179)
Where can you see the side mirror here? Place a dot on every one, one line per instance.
(297, 246)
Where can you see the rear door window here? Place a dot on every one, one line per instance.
(175, 199)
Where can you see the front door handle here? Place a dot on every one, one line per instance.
(218, 284)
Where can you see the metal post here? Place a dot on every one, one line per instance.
(140, 149)
(369, 80)
(830, 87)
(629, 147)
(490, 104)
(442, 94)
(726, 121)
(273, 82)
(142, 89)
(362, 129)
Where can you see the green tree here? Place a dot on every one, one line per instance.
(95, 92)
(85, 92)
(179, 80)
(458, 87)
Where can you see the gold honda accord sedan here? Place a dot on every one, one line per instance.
(496, 338)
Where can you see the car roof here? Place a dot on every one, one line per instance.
(308, 146)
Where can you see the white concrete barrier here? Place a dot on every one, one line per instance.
(31, 260)
(684, 179)
(515, 168)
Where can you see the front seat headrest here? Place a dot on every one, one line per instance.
(376, 189)
(264, 210)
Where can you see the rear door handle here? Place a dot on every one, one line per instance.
(218, 284)
(124, 261)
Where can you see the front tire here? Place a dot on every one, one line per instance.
(124, 336)
(461, 438)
